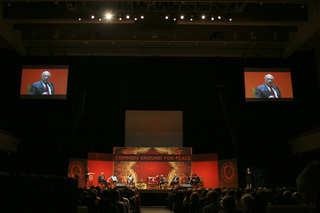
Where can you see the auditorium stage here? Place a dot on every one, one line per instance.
(154, 197)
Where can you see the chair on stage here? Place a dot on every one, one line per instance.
(153, 183)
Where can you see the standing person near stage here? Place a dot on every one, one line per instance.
(130, 180)
(249, 178)
(175, 180)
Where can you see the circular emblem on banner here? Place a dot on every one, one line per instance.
(229, 172)
(76, 167)
(90, 177)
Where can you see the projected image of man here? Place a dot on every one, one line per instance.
(42, 87)
(268, 90)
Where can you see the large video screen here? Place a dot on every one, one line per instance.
(44, 82)
(268, 84)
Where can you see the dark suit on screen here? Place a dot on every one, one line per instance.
(262, 91)
(37, 88)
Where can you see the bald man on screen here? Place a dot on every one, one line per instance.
(268, 90)
(42, 87)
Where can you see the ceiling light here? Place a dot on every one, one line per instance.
(182, 17)
(203, 17)
(166, 17)
(174, 19)
(127, 16)
(108, 16)
(212, 18)
(230, 19)
(79, 19)
(92, 16)
(219, 17)
(142, 17)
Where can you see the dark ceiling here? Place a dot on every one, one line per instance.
(264, 28)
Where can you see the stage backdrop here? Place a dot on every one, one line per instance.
(206, 167)
(143, 162)
(228, 174)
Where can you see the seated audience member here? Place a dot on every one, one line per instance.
(203, 201)
(298, 198)
(308, 184)
(116, 200)
(247, 201)
(214, 206)
(239, 205)
(194, 200)
(228, 205)
(259, 203)
(175, 180)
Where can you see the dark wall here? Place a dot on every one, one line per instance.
(210, 91)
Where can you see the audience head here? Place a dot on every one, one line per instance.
(228, 203)
(247, 200)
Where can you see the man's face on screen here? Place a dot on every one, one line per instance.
(269, 80)
(45, 76)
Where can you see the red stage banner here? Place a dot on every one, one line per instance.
(77, 169)
(143, 157)
(228, 175)
(144, 162)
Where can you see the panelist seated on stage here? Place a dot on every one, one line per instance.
(102, 179)
(130, 180)
(175, 180)
(191, 179)
(162, 179)
(196, 180)
(114, 178)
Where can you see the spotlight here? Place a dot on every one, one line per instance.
(108, 16)
(100, 19)
(219, 17)
(230, 19)
(135, 18)
(174, 19)
(182, 17)
(142, 17)
(166, 17)
(203, 17)
(79, 19)
(191, 19)
(92, 16)
(212, 18)
(127, 16)
(120, 19)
